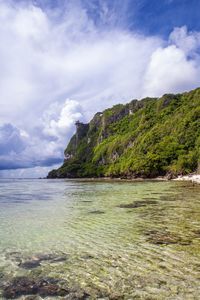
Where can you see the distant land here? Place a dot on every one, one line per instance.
(147, 138)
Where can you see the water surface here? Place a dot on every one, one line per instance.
(112, 240)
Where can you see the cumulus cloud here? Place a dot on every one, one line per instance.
(19, 150)
(169, 70)
(189, 42)
(176, 66)
(11, 139)
(60, 120)
(48, 56)
(44, 146)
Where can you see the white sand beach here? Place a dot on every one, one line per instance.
(191, 177)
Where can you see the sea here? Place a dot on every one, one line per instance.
(99, 239)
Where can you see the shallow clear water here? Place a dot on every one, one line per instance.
(91, 237)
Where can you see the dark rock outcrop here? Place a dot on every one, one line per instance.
(21, 286)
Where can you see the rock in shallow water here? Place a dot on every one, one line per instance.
(21, 286)
(18, 287)
(165, 238)
(36, 261)
(97, 212)
(30, 264)
(136, 204)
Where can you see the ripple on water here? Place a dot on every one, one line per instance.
(94, 240)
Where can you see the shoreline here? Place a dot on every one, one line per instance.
(194, 178)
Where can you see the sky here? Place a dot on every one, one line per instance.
(62, 61)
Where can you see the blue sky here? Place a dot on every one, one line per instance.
(160, 17)
(64, 60)
(146, 16)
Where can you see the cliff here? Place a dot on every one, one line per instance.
(144, 138)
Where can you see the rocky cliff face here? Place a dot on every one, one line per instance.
(144, 138)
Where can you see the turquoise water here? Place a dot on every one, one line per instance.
(111, 240)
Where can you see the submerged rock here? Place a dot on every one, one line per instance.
(30, 264)
(97, 212)
(35, 289)
(87, 256)
(14, 256)
(50, 288)
(52, 258)
(165, 238)
(22, 286)
(137, 204)
(86, 201)
(36, 260)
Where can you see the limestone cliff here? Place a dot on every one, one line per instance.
(144, 138)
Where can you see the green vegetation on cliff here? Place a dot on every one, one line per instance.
(144, 138)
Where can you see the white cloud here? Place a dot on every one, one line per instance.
(189, 42)
(45, 60)
(47, 56)
(169, 70)
(59, 120)
(176, 66)
(44, 147)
